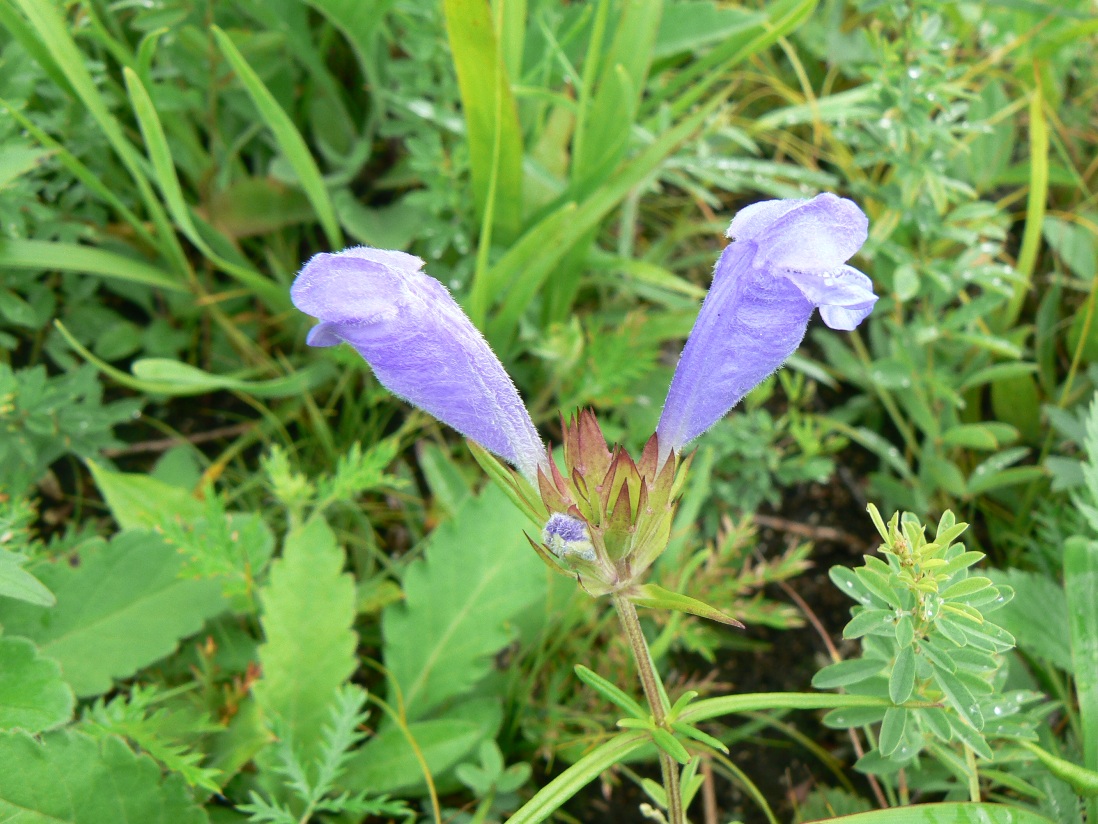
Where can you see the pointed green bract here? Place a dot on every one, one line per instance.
(120, 607)
(308, 613)
(69, 778)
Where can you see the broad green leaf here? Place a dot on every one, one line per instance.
(120, 607)
(289, 140)
(477, 574)
(309, 649)
(69, 778)
(140, 501)
(16, 582)
(388, 764)
(950, 813)
(33, 696)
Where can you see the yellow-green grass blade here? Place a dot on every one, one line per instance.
(1035, 205)
(288, 138)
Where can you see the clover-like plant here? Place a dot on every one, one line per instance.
(604, 517)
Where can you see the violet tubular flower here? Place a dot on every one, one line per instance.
(787, 258)
(421, 346)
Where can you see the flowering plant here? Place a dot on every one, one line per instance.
(605, 517)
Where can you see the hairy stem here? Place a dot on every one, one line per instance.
(654, 693)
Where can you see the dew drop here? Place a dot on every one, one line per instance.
(914, 73)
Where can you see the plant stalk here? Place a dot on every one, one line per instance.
(654, 693)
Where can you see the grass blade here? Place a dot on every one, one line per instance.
(288, 138)
(51, 29)
(523, 270)
(17, 253)
(164, 169)
(1035, 204)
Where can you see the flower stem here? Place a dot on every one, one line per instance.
(657, 701)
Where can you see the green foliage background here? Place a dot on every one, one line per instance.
(239, 581)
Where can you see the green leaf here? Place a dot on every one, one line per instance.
(492, 128)
(120, 608)
(902, 681)
(870, 622)
(960, 698)
(654, 596)
(16, 582)
(20, 253)
(308, 609)
(289, 140)
(477, 574)
(892, 730)
(951, 813)
(845, 673)
(142, 502)
(387, 763)
(16, 160)
(69, 778)
(1081, 584)
(610, 692)
(33, 696)
(562, 788)
(986, 436)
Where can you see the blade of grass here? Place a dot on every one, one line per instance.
(287, 137)
(693, 83)
(17, 253)
(160, 155)
(520, 273)
(1035, 204)
(492, 130)
(577, 776)
(83, 174)
(52, 30)
(611, 114)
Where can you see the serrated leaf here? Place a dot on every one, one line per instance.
(120, 608)
(33, 696)
(69, 778)
(477, 575)
(309, 650)
(140, 501)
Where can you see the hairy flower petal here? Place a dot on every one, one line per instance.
(420, 344)
(787, 257)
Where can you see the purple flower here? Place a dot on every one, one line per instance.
(420, 344)
(787, 257)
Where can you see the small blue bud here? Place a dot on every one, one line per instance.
(565, 535)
